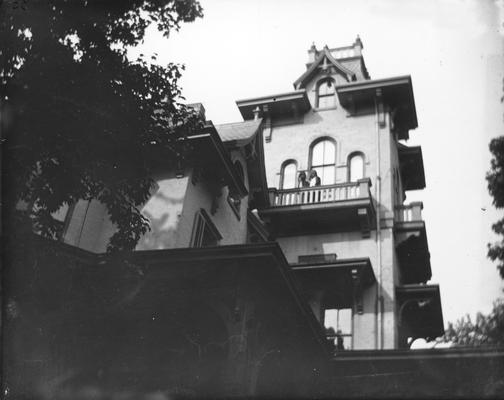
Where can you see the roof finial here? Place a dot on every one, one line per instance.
(313, 47)
(358, 42)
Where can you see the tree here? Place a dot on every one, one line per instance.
(495, 179)
(78, 119)
(485, 330)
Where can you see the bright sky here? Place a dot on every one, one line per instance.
(453, 50)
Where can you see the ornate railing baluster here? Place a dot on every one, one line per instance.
(320, 194)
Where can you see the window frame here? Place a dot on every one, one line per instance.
(282, 173)
(343, 335)
(318, 96)
(310, 157)
(202, 221)
(349, 165)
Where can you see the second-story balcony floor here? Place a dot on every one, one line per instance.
(320, 209)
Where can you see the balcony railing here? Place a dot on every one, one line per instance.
(409, 212)
(320, 194)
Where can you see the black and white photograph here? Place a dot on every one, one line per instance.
(251, 199)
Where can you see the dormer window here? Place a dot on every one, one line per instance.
(326, 94)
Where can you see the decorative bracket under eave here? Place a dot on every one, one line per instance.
(364, 222)
(357, 290)
(267, 129)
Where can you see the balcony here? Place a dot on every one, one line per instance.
(409, 217)
(419, 312)
(321, 209)
(411, 244)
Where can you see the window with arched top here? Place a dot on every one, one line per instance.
(355, 167)
(288, 178)
(326, 94)
(323, 160)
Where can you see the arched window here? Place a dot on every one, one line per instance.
(356, 167)
(326, 94)
(323, 160)
(288, 179)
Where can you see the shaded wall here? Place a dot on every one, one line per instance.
(351, 134)
(171, 210)
(437, 373)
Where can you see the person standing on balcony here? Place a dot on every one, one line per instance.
(302, 182)
(339, 340)
(314, 178)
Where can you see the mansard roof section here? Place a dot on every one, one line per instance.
(395, 92)
(208, 151)
(321, 62)
(239, 133)
(289, 104)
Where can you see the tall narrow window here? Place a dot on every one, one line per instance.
(356, 165)
(288, 178)
(323, 161)
(326, 94)
(338, 324)
(205, 234)
(234, 199)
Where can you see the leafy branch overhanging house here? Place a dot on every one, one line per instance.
(253, 279)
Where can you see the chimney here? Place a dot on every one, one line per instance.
(199, 109)
(312, 53)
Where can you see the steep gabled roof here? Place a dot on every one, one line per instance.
(325, 53)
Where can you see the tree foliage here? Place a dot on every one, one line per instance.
(80, 120)
(486, 330)
(495, 179)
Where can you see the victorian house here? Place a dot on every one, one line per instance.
(357, 248)
(280, 244)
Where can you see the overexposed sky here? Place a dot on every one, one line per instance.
(453, 50)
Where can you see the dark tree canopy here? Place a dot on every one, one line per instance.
(495, 179)
(486, 330)
(79, 120)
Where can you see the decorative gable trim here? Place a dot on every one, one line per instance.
(325, 54)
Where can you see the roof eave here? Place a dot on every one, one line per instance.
(367, 90)
(266, 249)
(267, 104)
(210, 134)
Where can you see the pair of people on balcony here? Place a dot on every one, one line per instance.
(335, 336)
(313, 180)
